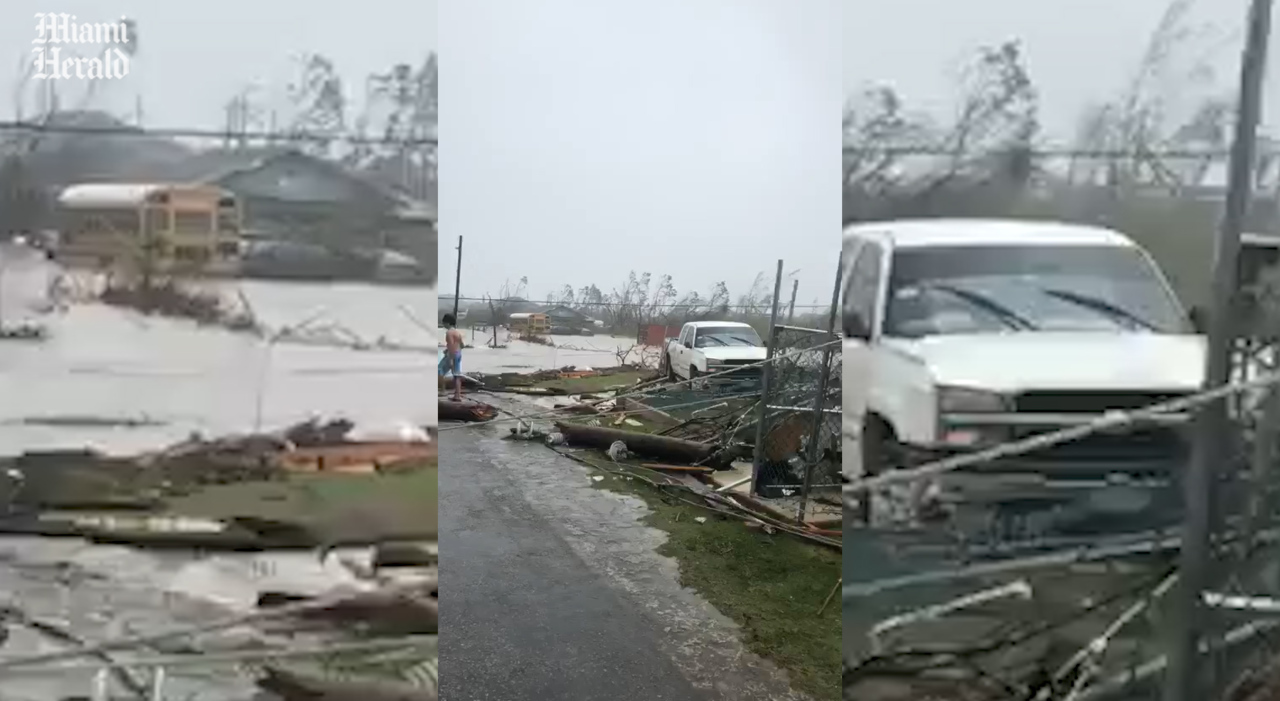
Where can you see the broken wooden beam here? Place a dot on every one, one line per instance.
(376, 611)
(676, 450)
(293, 685)
(403, 555)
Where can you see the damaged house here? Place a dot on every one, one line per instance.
(306, 217)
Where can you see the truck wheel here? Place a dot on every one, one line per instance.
(878, 449)
(693, 377)
(671, 369)
(877, 446)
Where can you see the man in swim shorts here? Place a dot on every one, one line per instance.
(452, 360)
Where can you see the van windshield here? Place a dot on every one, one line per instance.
(993, 289)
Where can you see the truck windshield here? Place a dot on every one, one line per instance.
(1001, 289)
(714, 336)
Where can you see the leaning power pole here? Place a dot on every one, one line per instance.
(457, 281)
(1184, 679)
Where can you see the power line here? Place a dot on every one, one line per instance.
(184, 133)
(624, 305)
(1043, 152)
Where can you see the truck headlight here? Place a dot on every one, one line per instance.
(965, 400)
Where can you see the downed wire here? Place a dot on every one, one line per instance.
(131, 641)
(1109, 420)
(1088, 553)
(919, 662)
(51, 630)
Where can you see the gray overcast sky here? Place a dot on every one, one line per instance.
(580, 140)
(193, 56)
(1078, 51)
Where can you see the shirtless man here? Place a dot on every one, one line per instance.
(452, 360)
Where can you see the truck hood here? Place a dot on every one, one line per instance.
(735, 353)
(1061, 361)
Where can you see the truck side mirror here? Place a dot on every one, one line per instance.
(1199, 319)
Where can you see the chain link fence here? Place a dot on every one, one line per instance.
(802, 415)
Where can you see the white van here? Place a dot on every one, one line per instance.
(963, 334)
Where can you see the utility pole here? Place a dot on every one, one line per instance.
(791, 308)
(457, 281)
(766, 377)
(1183, 680)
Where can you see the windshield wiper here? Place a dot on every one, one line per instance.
(747, 341)
(1010, 318)
(717, 340)
(1102, 306)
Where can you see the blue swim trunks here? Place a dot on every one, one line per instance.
(450, 363)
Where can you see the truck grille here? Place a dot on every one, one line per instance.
(1088, 402)
(1146, 444)
(1142, 444)
(734, 369)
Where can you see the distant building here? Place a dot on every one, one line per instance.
(291, 196)
(150, 227)
(284, 194)
(561, 316)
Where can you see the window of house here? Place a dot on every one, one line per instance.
(192, 222)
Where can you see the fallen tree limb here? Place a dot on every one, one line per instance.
(469, 412)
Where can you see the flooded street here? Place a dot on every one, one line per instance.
(108, 363)
(521, 356)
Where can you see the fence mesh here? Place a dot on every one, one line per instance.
(793, 393)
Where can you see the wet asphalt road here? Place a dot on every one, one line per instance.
(526, 617)
(553, 588)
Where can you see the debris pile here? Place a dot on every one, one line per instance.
(128, 500)
(172, 299)
(402, 601)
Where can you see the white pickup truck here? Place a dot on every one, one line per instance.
(705, 347)
(964, 334)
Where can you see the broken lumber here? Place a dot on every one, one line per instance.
(378, 612)
(824, 523)
(676, 450)
(465, 411)
(299, 686)
(403, 555)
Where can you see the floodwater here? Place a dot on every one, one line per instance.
(106, 363)
(110, 363)
(582, 352)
